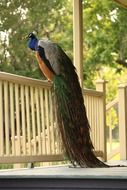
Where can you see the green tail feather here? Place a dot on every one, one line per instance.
(73, 122)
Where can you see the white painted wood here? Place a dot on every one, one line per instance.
(43, 123)
(48, 142)
(52, 121)
(122, 97)
(23, 119)
(78, 38)
(32, 102)
(24, 80)
(17, 117)
(28, 129)
(38, 120)
(101, 86)
(1, 121)
(6, 117)
(12, 118)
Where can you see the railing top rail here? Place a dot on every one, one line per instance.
(111, 104)
(30, 81)
(24, 80)
(92, 92)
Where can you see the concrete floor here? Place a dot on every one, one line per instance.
(65, 172)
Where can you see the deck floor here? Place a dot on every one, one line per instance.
(65, 172)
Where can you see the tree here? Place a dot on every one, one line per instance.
(105, 37)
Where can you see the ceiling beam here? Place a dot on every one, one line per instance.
(122, 2)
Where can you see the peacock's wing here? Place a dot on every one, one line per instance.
(59, 61)
(50, 52)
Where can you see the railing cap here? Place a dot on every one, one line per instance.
(24, 80)
(122, 85)
(101, 81)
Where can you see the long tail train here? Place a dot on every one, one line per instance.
(73, 122)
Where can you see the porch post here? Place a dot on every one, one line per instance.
(78, 38)
(101, 86)
(123, 120)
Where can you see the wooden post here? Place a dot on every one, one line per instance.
(122, 97)
(101, 86)
(78, 38)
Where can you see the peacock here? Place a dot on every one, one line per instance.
(71, 112)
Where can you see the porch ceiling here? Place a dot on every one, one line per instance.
(122, 2)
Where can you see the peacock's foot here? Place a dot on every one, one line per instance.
(73, 164)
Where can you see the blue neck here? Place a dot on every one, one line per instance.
(32, 43)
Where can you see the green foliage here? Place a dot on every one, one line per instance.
(105, 36)
(6, 166)
(112, 118)
(113, 78)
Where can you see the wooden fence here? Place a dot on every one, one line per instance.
(28, 123)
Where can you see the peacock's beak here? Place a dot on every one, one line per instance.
(25, 37)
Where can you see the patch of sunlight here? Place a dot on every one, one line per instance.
(116, 157)
(113, 148)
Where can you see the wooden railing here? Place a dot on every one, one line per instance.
(28, 123)
(95, 107)
(118, 118)
(112, 116)
(28, 126)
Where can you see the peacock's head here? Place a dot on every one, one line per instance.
(33, 41)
